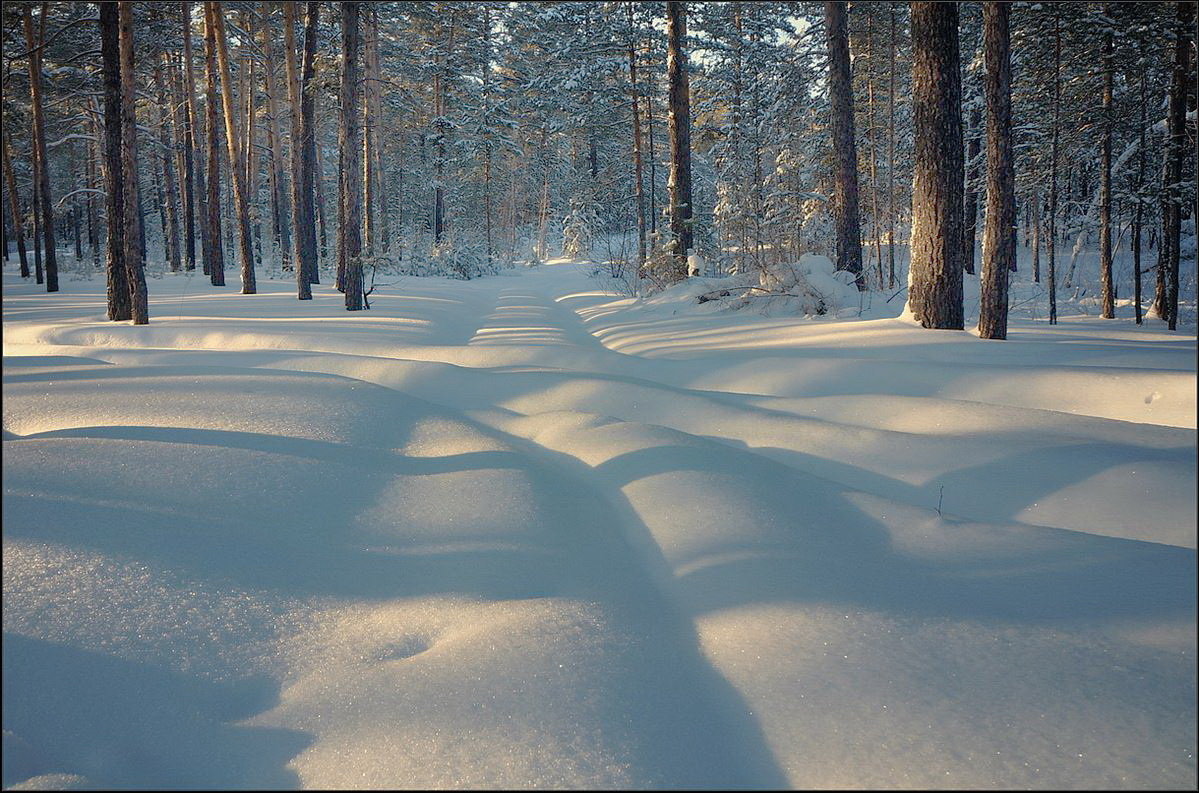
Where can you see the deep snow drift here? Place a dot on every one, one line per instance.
(523, 532)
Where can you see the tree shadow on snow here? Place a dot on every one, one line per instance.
(125, 724)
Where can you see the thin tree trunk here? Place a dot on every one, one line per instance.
(1057, 108)
(233, 145)
(368, 136)
(1139, 212)
(216, 265)
(637, 166)
(198, 213)
(280, 220)
(1035, 209)
(1107, 295)
(349, 233)
(168, 173)
(935, 273)
(891, 154)
(14, 207)
(134, 271)
(999, 243)
(310, 163)
(680, 137)
(970, 207)
(301, 201)
(39, 142)
(870, 125)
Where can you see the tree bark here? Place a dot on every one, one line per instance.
(168, 173)
(637, 165)
(216, 264)
(970, 208)
(998, 240)
(45, 203)
(134, 251)
(1177, 146)
(195, 132)
(935, 274)
(350, 196)
(891, 154)
(233, 144)
(280, 216)
(1107, 295)
(114, 203)
(1057, 111)
(680, 137)
(1138, 215)
(845, 183)
(14, 207)
(301, 182)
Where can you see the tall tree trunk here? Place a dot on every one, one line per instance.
(1035, 209)
(119, 308)
(280, 220)
(14, 207)
(653, 149)
(198, 214)
(301, 202)
(168, 173)
(1139, 212)
(310, 167)
(233, 144)
(216, 264)
(369, 132)
(999, 244)
(970, 208)
(891, 153)
(845, 183)
(873, 156)
(1107, 295)
(134, 271)
(637, 166)
(935, 274)
(350, 196)
(1176, 127)
(1057, 122)
(45, 202)
(680, 137)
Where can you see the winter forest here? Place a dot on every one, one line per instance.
(599, 395)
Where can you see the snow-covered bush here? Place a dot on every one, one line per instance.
(579, 230)
(813, 282)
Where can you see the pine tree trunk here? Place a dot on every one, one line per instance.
(45, 202)
(1180, 81)
(999, 243)
(114, 203)
(168, 173)
(134, 271)
(1036, 236)
(309, 165)
(350, 197)
(935, 275)
(233, 144)
(637, 165)
(198, 214)
(301, 202)
(280, 216)
(368, 138)
(845, 183)
(14, 207)
(1057, 111)
(870, 128)
(680, 137)
(891, 154)
(216, 264)
(970, 208)
(1107, 295)
(1138, 217)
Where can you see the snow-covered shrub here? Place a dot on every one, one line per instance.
(579, 230)
(813, 282)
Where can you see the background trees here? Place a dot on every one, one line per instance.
(494, 132)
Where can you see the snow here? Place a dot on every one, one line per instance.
(525, 532)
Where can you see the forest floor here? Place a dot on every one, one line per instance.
(522, 531)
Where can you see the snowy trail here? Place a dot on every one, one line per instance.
(520, 532)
